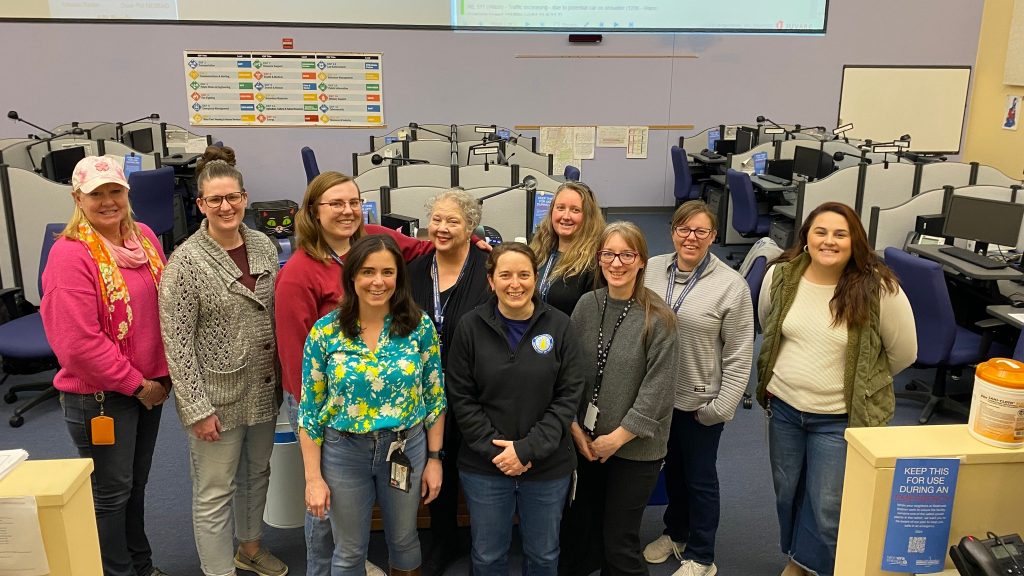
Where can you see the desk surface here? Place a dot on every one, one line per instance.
(52, 482)
(931, 252)
(705, 160)
(771, 186)
(882, 445)
(788, 210)
(1004, 311)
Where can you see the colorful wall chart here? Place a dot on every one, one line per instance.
(336, 89)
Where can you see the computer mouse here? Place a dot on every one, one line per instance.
(177, 156)
(704, 152)
(1017, 300)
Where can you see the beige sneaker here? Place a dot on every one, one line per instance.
(263, 563)
(374, 570)
(659, 550)
(794, 569)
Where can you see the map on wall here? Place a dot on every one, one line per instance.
(333, 89)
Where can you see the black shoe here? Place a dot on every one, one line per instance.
(439, 559)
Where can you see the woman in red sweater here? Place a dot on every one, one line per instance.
(99, 309)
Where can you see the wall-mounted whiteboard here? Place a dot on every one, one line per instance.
(885, 102)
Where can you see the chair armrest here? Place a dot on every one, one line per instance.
(988, 327)
(12, 304)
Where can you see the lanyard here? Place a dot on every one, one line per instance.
(545, 283)
(336, 258)
(438, 308)
(694, 277)
(602, 348)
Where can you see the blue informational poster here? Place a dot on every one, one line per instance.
(370, 215)
(132, 163)
(713, 136)
(541, 205)
(760, 162)
(917, 536)
(503, 133)
(390, 140)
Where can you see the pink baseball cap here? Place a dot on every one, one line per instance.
(92, 172)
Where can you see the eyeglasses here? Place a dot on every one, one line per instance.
(607, 257)
(339, 205)
(684, 231)
(215, 201)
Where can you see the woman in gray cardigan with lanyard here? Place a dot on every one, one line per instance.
(622, 426)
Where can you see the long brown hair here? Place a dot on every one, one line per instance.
(309, 235)
(651, 303)
(405, 314)
(580, 256)
(865, 274)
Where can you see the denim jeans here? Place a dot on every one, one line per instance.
(229, 476)
(319, 538)
(493, 500)
(357, 472)
(691, 483)
(119, 476)
(808, 458)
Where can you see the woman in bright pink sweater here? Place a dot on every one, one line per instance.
(99, 310)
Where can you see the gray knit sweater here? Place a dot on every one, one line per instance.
(219, 335)
(715, 328)
(638, 379)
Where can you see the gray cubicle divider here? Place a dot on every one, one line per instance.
(30, 202)
(987, 175)
(375, 178)
(173, 146)
(839, 186)
(115, 148)
(884, 187)
(93, 130)
(422, 175)
(14, 152)
(477, 176)
(433, 151)
(363, 161)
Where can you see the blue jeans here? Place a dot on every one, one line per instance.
(493, 500)
(319, 538)
(691, 483)
(119, 476)
(808, 458)
(357, 472)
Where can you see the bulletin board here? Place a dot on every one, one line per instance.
(327, 89)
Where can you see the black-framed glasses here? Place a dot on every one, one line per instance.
(607, 257)
(215, 201)
(339, 205)
(684, 231)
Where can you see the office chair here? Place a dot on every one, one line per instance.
(152, 195)
(755, 276)
(941, 343)
(1018, 350)
(309, 163)
(23, 343)
(684, 189)
(745, 218)
(571, 173)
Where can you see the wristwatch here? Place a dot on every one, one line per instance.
(138, 390)
(435, 454)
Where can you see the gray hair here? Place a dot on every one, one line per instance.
(468, 205)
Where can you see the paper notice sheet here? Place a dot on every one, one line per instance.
(637, 142)
(21, 540)
(611, 136)
(583, 143)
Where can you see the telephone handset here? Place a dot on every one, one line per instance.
(997, 555)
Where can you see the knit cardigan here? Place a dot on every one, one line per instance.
(219, 335)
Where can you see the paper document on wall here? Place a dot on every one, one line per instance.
(559, 142)
(583, 143)
(637, 142)
(611, 136)
(21, 540)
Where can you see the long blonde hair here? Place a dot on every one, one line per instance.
(650, 302)
(309, 235)
(580, 256)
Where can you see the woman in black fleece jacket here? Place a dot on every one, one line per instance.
(514, 378)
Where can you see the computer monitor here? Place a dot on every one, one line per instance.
(983, 220)
(59, 165)
(140, 140)
(725, 146)
(812, 163)
(781, 168)
(746, 138)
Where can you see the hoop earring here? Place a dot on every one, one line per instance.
(805, 248)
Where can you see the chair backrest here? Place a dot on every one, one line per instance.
(684, 182)
(152, 196)
(571, 173)
(309, 164)
(924, 283)
(744, 203)
(1018, 350)
(755, 276)
(49, 237)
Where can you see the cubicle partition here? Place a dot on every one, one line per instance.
(423, 175)
(884, 186)
(433, 151)
(374, 178)
(479, 176)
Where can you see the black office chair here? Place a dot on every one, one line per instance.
(23, 343)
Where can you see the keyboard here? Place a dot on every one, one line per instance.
(972, 257)
(712, 155)
(775, 179)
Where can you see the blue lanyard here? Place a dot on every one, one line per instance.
(545, 284)
(438, 308)
(694, 277)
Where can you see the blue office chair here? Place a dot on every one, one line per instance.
(684, 189)
(755, 276)
(745, 218)
(309, 164)
(571, 173)
(941, 343)
(23, 343)
(1018, 350)
(152, 196)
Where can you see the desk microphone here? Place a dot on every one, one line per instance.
(13, 115)
(529, 184)
(377, 160)
(415, 126)
(840, 156)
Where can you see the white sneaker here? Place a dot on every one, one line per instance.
(374, 570)
(691, 568)
(659, 550)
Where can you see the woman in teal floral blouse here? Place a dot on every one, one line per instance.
(371, 418)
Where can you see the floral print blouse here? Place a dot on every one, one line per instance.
(347, 387)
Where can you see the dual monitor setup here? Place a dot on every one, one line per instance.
(985, 222)
(812, 163)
